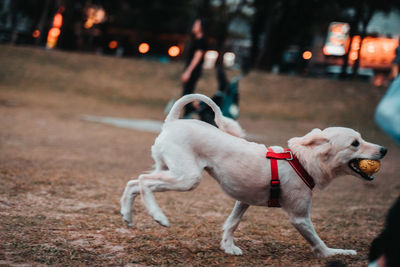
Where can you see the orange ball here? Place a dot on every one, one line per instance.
(369, 166)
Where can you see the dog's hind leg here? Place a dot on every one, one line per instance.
(132, 188)
(230, 226)
(161, 181)
(130, 193)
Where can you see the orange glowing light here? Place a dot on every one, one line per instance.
(174, 51)
(52, 37)
(58, 20)
(113, 44)
(36, 34)
(54, 32)
(375, 52)
(95, 15)
(307, 55)
(356, 44)
(325, 50)
(144, 48)
(353, 55)
(88, 24)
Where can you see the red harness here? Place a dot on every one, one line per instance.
(275, 184)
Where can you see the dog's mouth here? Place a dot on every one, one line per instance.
(353, 164)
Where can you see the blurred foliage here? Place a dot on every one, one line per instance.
(158, 16)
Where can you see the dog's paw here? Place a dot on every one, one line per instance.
(127, 217)
(128, 223)
(335, 251)
(348, 252)
(232, 249)
(161, 219)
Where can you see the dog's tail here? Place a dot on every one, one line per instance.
(186, 99)
(225, 124)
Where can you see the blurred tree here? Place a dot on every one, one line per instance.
(158, 16)
(266, 14)
(73, 21)
(278, 24)
(150, 18)
(42, 21)
(222, 15)
(20, 10)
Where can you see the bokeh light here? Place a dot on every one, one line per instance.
(144, 48)
(307, 55)
(95, 15)
(113, 44)
(58, 20)
(174, 51)
(36, 34)
(353, 55)
(54, 32)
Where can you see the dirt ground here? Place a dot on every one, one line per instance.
(61, 177)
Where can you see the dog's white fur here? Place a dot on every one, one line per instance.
(185, 148)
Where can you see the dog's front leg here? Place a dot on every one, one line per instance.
(304, 225)
(230, 226)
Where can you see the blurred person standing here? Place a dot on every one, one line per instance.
(194, 61)
(388, 109)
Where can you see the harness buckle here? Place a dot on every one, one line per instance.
(291, 154)
(275, 183)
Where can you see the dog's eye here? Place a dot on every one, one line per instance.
(355, 143)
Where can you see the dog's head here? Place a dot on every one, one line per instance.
(333, 152)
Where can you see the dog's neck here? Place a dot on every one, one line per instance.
(317, 169)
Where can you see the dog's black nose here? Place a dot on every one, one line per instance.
(383, 151)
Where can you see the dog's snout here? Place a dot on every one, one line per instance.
(383, 151)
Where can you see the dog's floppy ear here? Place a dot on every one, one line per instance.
(314, 138)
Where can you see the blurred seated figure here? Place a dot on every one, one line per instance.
(227, 98)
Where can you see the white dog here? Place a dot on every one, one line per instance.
(185, 148)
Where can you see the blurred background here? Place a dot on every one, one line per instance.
(339, 39)
(310, 64)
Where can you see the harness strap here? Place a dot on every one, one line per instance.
(302, 173)
(275, 183)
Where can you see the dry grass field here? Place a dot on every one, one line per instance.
(61, 177)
